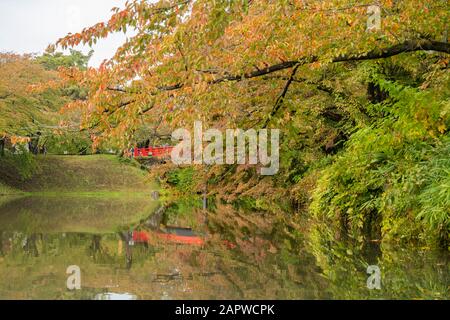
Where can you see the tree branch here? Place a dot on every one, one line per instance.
(405, 47)
(120, 106)
(281, 98)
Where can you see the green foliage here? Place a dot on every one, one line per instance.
(54, 60)
(182, 178)
(434, 200)
(406, 271)
(396, 169)
(68, 143)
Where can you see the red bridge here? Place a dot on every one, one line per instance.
(156, 152)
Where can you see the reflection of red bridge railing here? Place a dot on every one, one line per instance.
(156, 152)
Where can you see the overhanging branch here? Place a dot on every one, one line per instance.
(281, 98)
(405, 47)
(379, 53)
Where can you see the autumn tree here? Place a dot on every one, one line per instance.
(313, 68)
(23, 112)
(235, 57)
(30, 110)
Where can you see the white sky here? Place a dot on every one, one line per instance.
(29, 26)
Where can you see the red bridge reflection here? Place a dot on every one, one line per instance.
(175, 235)
(171, 234)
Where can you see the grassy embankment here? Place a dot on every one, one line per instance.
(78, 175)
(76, 194)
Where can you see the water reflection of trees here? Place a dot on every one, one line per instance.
(406, 272)
(269, 260)
(249, 255)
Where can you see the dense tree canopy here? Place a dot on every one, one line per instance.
(233, 58)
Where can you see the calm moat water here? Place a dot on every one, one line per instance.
(130, 249)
